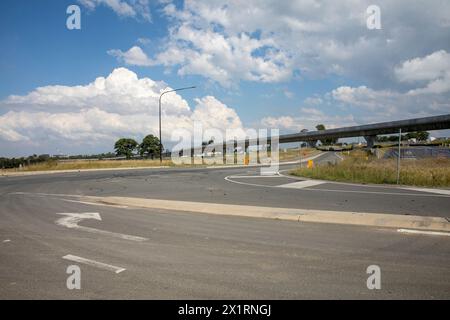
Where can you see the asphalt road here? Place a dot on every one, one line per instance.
(194, 255)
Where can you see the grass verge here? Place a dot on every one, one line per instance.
(55, 165)
(90, 164)
(432, 172)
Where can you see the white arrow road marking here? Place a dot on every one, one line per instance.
(71, 221)
(94, 263)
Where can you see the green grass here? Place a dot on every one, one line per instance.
(90, 164)
(52, 165)
(294, 154)
(360, 168)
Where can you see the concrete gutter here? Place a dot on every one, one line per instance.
(297, 215)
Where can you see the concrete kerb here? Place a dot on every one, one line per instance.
(289, 214)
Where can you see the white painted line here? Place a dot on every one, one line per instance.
(71, 221)
(339, 156)
(48, 194)
(381, 193)
(433, 195)
(444, 192)
(301, 184)
(95, 204)
(432, 233)
(220, 166)
(438, 191)
(39, 194)
(271, 176)
(345, 191)
(246, 183)
(5, 241)
(94, 263)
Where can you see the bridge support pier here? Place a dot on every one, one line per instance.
(311, 144)
(370, 141)
(224, 152)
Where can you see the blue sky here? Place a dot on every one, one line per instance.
(42, 51)
(256, 65)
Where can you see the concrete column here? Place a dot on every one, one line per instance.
(370, 141)
(224, 152)
(235, 155)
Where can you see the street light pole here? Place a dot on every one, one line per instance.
(300, 152)
(399, 154)
(160, 96)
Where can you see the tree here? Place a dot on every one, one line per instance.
(419, 135)
(326, 141)
(320, 127)
(149, 146)
(125, 147)
(206, 143)
(423, 135)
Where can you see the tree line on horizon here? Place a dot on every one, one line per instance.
(16, 162)
(419, 136)
(149, 147)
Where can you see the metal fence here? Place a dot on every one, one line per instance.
(418, 152)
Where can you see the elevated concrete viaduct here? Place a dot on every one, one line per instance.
(368, 131)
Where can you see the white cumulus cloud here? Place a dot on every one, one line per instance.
(123, 8)
(134, 56)
(308, 118)
(272, 41)
(98, 113)
(433, 69)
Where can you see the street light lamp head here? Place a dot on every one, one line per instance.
(160, 96)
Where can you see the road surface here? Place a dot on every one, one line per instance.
(145, 253)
